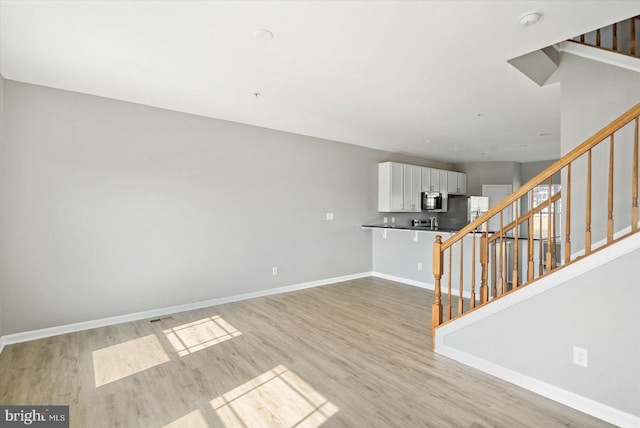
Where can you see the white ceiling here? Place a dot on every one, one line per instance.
(427, 78)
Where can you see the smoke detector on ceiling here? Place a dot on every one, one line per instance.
(263, 35)
(530, 18)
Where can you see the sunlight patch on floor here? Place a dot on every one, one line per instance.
(190, 420)
(276, 398)
(124, 359)
(197, 335)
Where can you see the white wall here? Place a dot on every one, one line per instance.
(110, 208)
(594, 94)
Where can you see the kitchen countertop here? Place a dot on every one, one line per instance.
(401, 227)
(441, 230)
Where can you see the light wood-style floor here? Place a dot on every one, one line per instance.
(354, 354)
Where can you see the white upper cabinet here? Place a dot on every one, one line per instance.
(456, 183)
(399, 187)
(434, 180)
(442, 181)
(412, 188)
(426, 179)
(462, 183)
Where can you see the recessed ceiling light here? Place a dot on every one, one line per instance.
(263, 35)
(530, 18)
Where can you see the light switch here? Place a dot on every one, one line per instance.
(329, 216)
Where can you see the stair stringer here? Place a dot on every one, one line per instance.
(547, 389)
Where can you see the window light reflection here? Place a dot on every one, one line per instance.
(276, 398)
(197, 335)
(190, 420)
(124, 359)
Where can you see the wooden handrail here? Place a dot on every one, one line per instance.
(496, 246)
(554, 168)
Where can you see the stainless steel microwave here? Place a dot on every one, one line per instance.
(431, 201)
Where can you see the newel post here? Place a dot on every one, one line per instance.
(438, 266)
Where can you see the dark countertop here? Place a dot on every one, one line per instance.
(400, 227)
(443, 230)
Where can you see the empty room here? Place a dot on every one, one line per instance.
(319, 213)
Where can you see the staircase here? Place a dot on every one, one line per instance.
(621, 37)
(616, 44)
(548, 276)
(539, 230)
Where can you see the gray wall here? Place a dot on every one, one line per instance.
(514, 173)
(397, 254)
(593, 95)
(531, 169)
(479, 173)
(110, 208)
(1, 180)
(536, 337)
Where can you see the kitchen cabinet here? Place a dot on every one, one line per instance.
(426, 180)
(434, 180)
(456, 183)
(442, 181)
(399, 187)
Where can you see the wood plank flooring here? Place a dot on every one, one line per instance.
(354, 354)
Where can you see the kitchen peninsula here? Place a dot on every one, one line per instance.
(405, 254)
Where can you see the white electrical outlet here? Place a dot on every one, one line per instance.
(385, 220)
(274, 270)
(329, 216)
(419, 266)
(580, 356)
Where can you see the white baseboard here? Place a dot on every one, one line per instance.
(153, 313)
(413, 282)
(568, 398)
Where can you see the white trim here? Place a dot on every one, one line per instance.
(103, 322)
(413, 282)
(568, 398)
(402, 280)
(601, 55)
